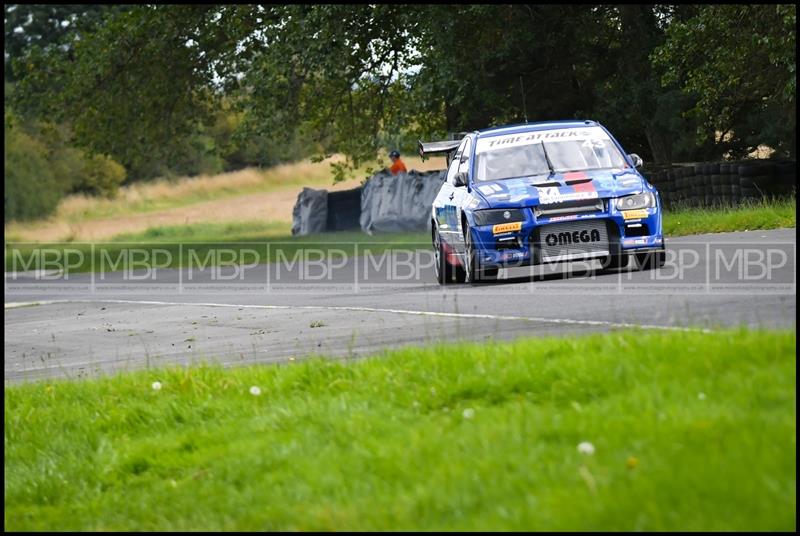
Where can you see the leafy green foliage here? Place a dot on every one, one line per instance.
(739, 61)
(101, 176)
(41, 167)
(192, 88)
(31, 189)
(47, 27)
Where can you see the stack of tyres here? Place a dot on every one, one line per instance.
(684, 175)
(754, 178)
(686, 180)
(668, 189)
(701, 180)
(785, 176)
(672, 186)
(767, 181)
(714, 178)
(690, 184)
(680, 197)
(731, 181)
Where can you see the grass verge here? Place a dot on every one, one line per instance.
(764, 214)
(691, 431)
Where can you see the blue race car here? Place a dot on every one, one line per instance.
(541, 193)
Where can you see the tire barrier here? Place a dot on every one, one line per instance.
(720, 184)
(344, 210)
(321, 211)
(385, 203)
(310, 214)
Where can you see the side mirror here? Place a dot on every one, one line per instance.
(636, 159)
(460, 179)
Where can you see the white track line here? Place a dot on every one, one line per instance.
(567, 321)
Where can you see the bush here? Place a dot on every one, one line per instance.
(78, 171)
(31, 188)
(101, 176)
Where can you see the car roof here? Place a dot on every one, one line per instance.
(532, 127)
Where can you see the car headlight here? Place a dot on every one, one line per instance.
(493, 217)
(632, 202)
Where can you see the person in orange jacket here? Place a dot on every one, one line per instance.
(397, 165)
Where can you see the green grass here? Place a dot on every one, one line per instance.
(765, 214)
(691, 431)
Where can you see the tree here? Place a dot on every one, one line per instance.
(136, 88)
(46, 27)
(739, 63)
(147, 84)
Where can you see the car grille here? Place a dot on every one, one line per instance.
(583, 206)
(573, 240)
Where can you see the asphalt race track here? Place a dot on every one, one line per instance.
(87, 324)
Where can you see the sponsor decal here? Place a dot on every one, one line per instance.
(528, 138)
(637, 241)
(634, 214)
(446, 216)
(506, 227)
(518, 190)
(564, 218)
(570, 217)
(628, 181)
(512, 255)
(553, 194)
(493, 190)
(474, 202)
(566, 238)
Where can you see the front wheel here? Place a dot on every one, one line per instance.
(473, 271)
(614, 262)
(651, 259)
(445, 272)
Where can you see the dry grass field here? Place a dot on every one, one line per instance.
(245, 195)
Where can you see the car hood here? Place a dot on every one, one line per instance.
(542, 190)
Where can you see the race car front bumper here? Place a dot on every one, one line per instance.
(569, 238)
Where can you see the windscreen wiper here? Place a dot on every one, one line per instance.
(549, 163)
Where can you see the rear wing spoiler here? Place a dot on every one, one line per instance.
(447, 147)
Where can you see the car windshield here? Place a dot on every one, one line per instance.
(528, 154)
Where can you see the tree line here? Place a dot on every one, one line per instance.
(187, 89)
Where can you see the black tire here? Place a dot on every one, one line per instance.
(651, 259)
(754, 168)
(614, 262)
(446, 273)
(473, 271)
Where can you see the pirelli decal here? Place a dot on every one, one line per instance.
(634, 214)
(506, 227)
